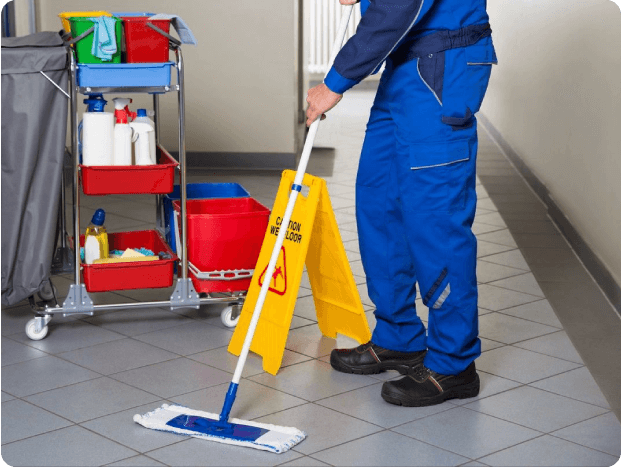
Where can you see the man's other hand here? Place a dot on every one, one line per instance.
(320, 99)
(348, 2)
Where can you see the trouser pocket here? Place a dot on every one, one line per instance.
(431, 71)
(438, 175)
(466, 77)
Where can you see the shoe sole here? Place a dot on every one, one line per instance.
(402, 368)
(459, 392)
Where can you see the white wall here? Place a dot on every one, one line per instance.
(556, 98)
(241, 86)
(22, 20)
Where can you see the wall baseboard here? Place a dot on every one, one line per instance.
(239, 160)
(592, 263)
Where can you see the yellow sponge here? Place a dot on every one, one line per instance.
(126, 259)
(129, 253)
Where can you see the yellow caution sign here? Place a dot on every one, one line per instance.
(312, 237)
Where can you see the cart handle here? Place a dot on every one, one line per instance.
(172, 39)
(64, 35)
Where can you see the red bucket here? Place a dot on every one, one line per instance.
(225, 234)
(142, 43)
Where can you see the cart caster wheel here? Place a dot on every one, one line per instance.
(47, 293)
(32, 333)
(227, 317)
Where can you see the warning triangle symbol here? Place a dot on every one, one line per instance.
(278, 284)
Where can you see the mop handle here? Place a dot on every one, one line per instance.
(299, 177)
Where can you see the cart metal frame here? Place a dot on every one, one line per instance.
(78, 301)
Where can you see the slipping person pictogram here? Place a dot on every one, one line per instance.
(278, 287)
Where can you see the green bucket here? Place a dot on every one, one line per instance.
(83, 47)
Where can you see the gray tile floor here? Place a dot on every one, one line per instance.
(69, 399)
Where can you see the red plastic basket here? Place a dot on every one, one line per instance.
(133, 275)
(130, 179)
(142, 43)
(224, 234)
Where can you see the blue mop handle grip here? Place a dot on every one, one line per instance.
(228, 402)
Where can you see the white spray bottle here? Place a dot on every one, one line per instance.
(142, 147)
(122, 132)
(142, 115)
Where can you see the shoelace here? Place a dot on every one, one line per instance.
(420, 372)
(366, 346)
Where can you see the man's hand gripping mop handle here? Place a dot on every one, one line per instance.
(295, 190)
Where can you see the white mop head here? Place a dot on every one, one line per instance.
(277, 439)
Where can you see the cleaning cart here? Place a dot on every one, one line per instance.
(154, 78)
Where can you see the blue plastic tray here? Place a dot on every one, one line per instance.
(140, 14)
(125, 75)
(197, 191)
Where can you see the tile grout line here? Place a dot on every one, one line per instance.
(462, 455)
(522, 270)
(523, 340)
(504, 312)
(550, 434)
(509, 447)
(400, 434)
(548, 377)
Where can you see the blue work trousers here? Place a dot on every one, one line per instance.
(416, 201)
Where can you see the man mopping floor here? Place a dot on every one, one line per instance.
(415, 190)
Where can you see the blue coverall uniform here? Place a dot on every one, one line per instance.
(415, 189)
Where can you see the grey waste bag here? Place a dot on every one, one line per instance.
(34, 126)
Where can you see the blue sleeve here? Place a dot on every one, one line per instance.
(383, 25)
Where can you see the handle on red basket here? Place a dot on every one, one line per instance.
(81, 36)
(172, 39)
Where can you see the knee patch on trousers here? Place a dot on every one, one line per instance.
(438, 292)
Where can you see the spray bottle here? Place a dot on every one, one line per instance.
(96, 238)
(143, 116)
(142, 131)
(96, 133)
(122, 132)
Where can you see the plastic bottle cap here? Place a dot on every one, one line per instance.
(95, 102)
(142, 112)
(99, 217)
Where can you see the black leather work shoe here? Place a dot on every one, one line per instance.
(368, 359)
(422, 387)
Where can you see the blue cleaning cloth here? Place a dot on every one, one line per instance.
(104, 40)
(184, 32)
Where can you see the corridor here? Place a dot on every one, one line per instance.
(69, 399)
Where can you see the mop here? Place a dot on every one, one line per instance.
(221, 428)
